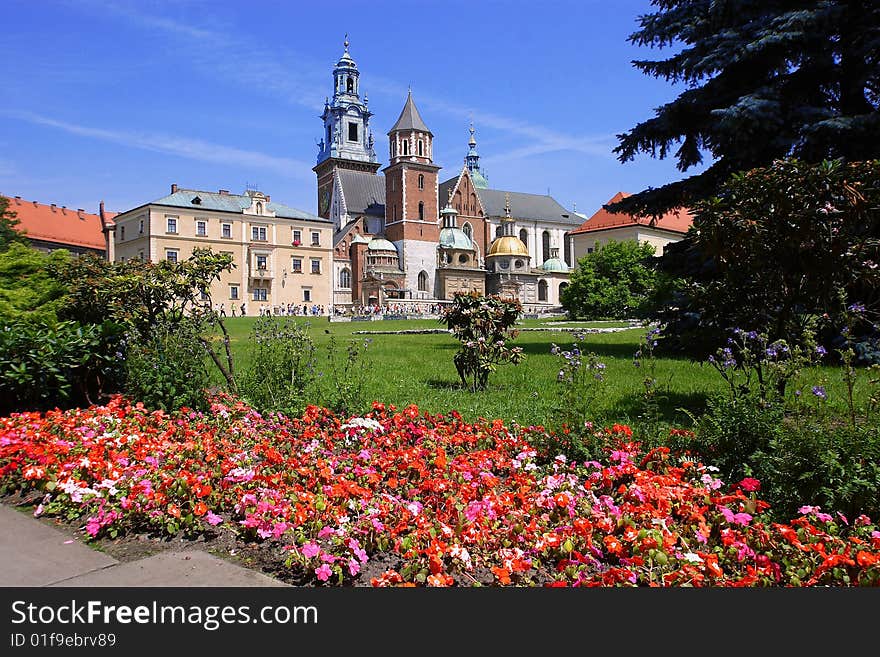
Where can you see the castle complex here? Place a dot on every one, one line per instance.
(404, 236)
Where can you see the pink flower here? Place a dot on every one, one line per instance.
(353, 567)
(323, 572)
(213, 519)
(310, 550)
(735, 518)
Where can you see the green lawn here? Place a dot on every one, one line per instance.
(418, 369)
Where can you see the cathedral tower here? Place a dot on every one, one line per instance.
(411, 212)
(472, 162)
(347, 142)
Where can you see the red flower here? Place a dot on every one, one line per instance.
(750, 484)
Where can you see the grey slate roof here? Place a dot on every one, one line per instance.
(409, 118)
(526, 206)
(364, 193)
(522, 206)
(183, 198)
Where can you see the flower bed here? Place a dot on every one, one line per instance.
(441, 501)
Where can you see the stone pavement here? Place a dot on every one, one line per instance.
(34, 554)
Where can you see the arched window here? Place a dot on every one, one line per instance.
(545, 243)
(562, 287)
(259, 207)
(421, 211)
(542, 290)
(421, 180)
(345, 279)
(423, 281)
(524, 237)
(497, 232)
(405, 147)
(463, 259)
(421, 148)
(467, 230)
(349, 85)
(567, 251)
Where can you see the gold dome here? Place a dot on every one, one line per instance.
(508, 245)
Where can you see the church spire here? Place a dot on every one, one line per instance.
(472, 161)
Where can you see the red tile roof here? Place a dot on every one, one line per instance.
(678, 220)
(51, 223)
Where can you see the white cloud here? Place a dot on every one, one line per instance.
(194, 149)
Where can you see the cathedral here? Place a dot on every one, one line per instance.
(401, 236)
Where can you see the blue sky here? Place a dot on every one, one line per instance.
(116, 100)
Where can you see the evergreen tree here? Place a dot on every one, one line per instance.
(766, 79)
(8, 231)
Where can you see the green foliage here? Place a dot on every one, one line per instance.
(761, 81)
(9, 233)
(61, 364)
(483, 327)
(774, 249)
(28, 287)
(342, 377)
(167, 368)
(615, 281)
(282, 366)
(581, 383)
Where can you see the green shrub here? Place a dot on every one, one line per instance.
(281, 368)
(342, 377)
(167, 368)
(64, 364)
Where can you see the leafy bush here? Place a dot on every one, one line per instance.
(615, 281)
(29, 288)
(342, 377)
(281, 366)
(66, 364)
(483, 327)
(167, 368)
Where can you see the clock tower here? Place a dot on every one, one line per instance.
(347, 142)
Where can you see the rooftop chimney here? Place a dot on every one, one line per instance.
(173, 188)
(54, 207)
(225, 192)
(101, 210)
(79, 211)
(35, 203)
(63, 209)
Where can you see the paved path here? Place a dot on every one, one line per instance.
(33, 554)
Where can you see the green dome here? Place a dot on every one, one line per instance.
(455, 238)
(555, 264)
(381, 244)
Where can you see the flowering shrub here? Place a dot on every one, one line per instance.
(441, 501)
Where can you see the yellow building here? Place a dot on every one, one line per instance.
(283, 256)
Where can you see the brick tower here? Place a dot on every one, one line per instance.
(411, 209)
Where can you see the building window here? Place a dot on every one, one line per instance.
(259, 207)
(141, 227)
(423, 281)
(542, 290)
(421, 148)
(345, 279)
(233, 292)
(545, 244)
(171, 224)
(518, 264)
(497, 232)
(524, 237)
(316, 238)
(258, 233)
(567, 251)
(201, 228)
(260, 293)
(463, 259)
(349, 84)
(261, 261)
(421, 181)
(204, 295)
(121, 233)
(297, 237)
(352, 131)
(405, 147)
(562, 287)
(296, 265)
(307, 294)
(421, 211)
(227, 231)
(316, 266)
(589, 249)
(468, 231)
(394, 213)
(171, 255)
